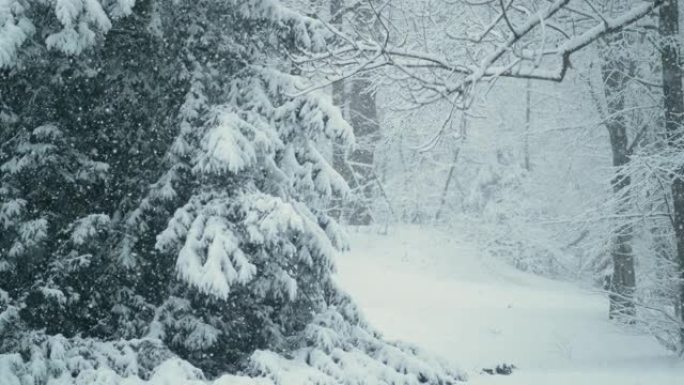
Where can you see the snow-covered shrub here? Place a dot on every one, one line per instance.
(161, 195)
(503, 211)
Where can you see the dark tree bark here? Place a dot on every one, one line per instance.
(673, 103)
(528, 125)
(357, 99)
(338, 96)
(614, 70)
(363, 117)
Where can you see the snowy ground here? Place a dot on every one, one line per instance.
(434, 289)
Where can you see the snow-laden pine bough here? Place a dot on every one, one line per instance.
(162, 202)
(336, 348)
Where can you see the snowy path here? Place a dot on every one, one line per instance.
(434, 290)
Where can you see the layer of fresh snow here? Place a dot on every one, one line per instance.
(435, 289)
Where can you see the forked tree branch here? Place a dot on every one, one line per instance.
(359, 56)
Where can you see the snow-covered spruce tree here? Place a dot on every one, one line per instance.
(160, 197)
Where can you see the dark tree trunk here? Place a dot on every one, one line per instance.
(338, 96)
(363, 117)
(528, 125)
(673, 101)
(614, 71)
(358, 101)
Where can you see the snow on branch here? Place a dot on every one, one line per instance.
(519, 42)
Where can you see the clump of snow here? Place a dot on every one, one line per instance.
(226, 147)
(15, 28)
(86, 228)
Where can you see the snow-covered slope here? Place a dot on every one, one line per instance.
(435, 289)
